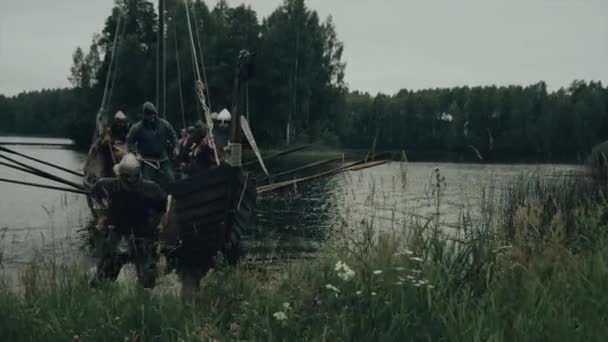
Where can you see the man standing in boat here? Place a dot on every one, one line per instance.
(155, 142)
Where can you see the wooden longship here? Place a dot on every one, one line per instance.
(208, 212)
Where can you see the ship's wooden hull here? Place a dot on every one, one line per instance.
(208, 214)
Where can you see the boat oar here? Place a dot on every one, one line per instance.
(271, 187)
(22, 169)
(7, 150)
(251, 139)
(37, 185)
(278, 154)
(354, 166)
(43, 175)
(298, 169)
(38, 172)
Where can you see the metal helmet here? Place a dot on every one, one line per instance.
(128, 166)
(224, 115)
(120, 116)
(149, 107)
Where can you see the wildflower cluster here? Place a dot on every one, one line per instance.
(280, 316)
(332, 288)
(344, 271)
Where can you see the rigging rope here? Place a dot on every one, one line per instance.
(109, 73)
(247, 100)
(179, 77)
(164, 67)
(98, 120)
(196, 102)
(115, 71)
(157, 64)
(200, 87)
(196, 69)
(200, 52)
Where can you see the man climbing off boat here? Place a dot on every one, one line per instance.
(135, 208)
(155, 142)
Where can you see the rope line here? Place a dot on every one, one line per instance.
(200, 88)
(179, 78)
(200, 52)
(197, 71)
(116, 63)
(164, 64)
(112, 55)
(157, 63)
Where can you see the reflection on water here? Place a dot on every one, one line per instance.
(34, 220)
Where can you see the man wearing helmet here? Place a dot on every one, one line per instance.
(155, 141)
(135, 207)
(221, 132)
(117, 136)
(120, 127)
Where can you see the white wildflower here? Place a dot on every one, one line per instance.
(333, 288)
(404, 252)
(359, 292)
(286, 306)
(344, 271)
(430, 286)
(373, 294)
(410, 277)
(416, 259)
(280, 316)
(417, 284)
(399, 268)
(376, 272)
(416, 271)
(423, 282)
(399, 283)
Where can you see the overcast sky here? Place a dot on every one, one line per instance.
(389, 44)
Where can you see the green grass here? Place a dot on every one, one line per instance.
(410, 284)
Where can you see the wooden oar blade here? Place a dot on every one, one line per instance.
(251, 139)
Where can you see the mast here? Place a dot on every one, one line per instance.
(236, 92)
(242, 74)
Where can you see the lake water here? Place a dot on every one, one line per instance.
(34, 221)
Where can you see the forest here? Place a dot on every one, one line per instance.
(297, 93)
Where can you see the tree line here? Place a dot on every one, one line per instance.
(297, 93)
(513, 123)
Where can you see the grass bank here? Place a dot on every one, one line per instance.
(527, 271)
